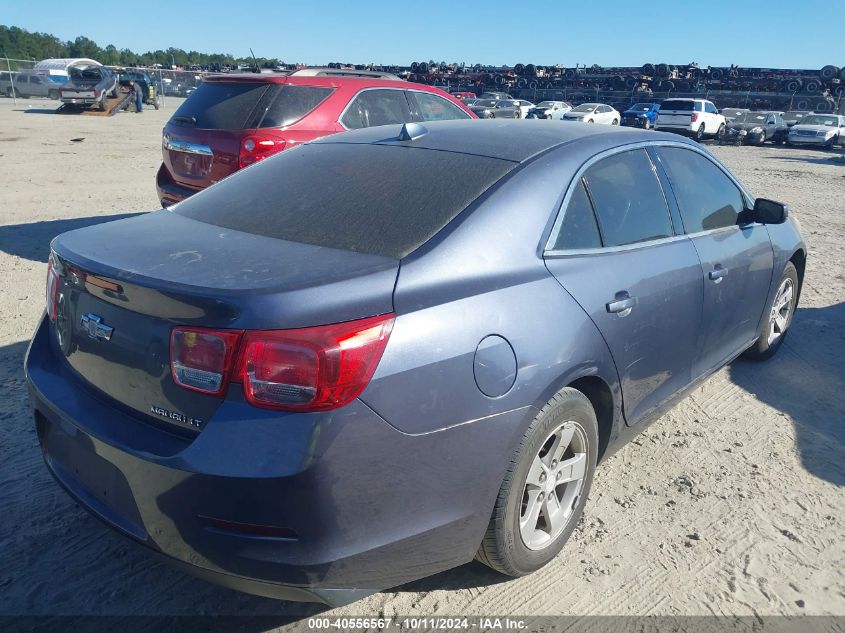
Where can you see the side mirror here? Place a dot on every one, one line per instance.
(769, 212)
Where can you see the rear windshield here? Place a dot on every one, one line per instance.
(320, 194)
(229, 105)
(685, 106)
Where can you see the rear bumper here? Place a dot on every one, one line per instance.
(309, 507)
(170, 192)
(680, 128)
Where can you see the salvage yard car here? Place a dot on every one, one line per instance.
(512, 109)
(695, 117)
(236, 120)
(550, 110)
(89, 85)
(756, 128)
(593, 113)
(824, 130)
(262, 382)
(641, 115)
(30, 84)
(142, 78)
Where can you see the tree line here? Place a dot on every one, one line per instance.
(18, 43)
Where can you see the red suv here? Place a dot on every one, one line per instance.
(232, 121)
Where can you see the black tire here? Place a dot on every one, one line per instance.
(615, 122)
(9, 92)
(53, 94)
(829, 72)
(699, 133)
(102, 104)
(832, 142)
(720, 133)
(762, 348)
(502, 547)
(647, 124)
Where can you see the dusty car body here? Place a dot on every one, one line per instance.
(549, 110)
(257, 383)
(755, 128)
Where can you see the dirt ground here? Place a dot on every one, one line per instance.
(731, 504)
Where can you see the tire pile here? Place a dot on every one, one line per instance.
(757, 88)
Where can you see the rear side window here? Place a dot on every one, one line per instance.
(628, 199)
(579, 229)
(707, 198)
(376, 199)
(377, 107)
(434, 108)
(288, 104)
(220, 105)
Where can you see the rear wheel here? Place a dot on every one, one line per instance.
(778, 317)
(699, 133)
(53, 94)
(102, 104)
(545, 487)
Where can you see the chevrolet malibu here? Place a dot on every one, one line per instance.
(315, 380)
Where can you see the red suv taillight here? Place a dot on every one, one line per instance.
(694, 117)
(53, 286)
(307, 369)
(256, 148)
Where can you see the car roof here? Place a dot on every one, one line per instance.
(505, 139)
(320, 80)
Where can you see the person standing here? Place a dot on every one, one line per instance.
(139, 95)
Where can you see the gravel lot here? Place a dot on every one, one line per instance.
(731, 504)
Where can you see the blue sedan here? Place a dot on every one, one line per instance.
(642, 115)
(384, 353)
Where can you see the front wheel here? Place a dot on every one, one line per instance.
(647, 124)
(778, 317)
(615, 122)
(545, 487)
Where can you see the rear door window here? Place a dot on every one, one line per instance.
(220, 105)
(377, 107)
(628, 199)
(707, 198)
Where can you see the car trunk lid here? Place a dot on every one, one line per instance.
(126, 284)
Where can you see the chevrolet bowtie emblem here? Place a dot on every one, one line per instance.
(95, 328)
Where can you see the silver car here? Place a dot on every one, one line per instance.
(825, 130)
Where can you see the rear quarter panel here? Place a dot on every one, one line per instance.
(484, 275)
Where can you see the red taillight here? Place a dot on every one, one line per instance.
(694, 117)
(53, 286)
(312, 369)
(202, 359)
(256, 148)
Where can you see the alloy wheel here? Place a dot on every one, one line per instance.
(553, 486)
(782, 308)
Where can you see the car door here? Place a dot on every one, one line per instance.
(615, 251)
(37, 87)
(711, 118)
(736, 259)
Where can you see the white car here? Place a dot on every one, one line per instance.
(593, 113)
(696, 117)
(551, 110)
(818, 129)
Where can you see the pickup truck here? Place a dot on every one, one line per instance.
(89, 85)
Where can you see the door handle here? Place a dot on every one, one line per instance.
(622, 304)
(718, 273)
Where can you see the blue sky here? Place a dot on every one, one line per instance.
(605, 32)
